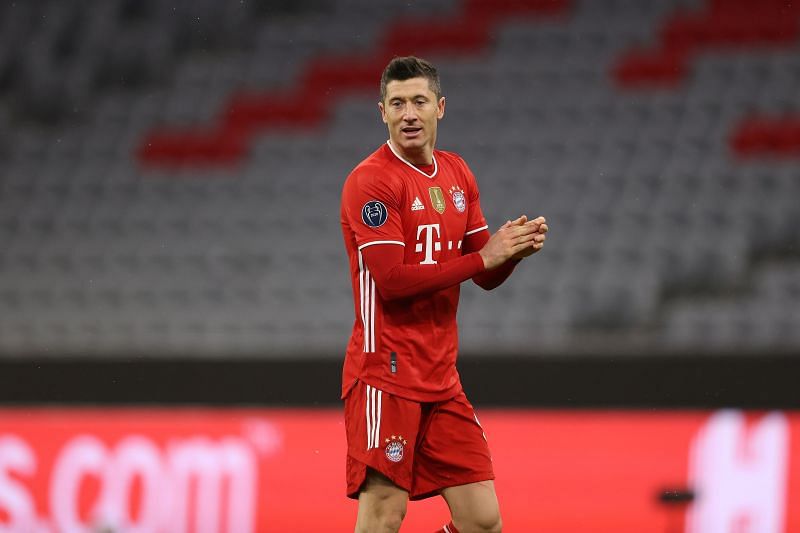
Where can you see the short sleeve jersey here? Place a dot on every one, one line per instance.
(407, 346)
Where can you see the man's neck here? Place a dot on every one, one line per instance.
(421, 157)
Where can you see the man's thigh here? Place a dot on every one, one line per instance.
(452, 449)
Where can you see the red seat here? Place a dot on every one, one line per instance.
(764, 136)
(306, 106)
(724, 24)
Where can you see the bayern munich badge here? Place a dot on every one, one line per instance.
(459, 200)
(395, 448)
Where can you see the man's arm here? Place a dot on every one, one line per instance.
(395, 279)
(488, 279)
(491, 279)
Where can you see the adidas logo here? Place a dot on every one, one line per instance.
(417, 205)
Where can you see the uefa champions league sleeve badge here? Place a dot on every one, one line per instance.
(374, 214)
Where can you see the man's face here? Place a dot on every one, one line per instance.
(411, 112)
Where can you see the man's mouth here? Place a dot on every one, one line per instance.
(411, 131)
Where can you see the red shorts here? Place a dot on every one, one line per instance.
(422, 447)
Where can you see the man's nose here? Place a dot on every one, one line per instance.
(409, 112)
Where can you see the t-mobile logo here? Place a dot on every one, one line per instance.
(427, 244)
(739, 472)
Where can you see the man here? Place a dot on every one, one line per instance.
(414, 230)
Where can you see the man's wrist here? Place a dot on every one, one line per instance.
(483, 260)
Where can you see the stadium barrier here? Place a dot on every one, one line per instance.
(209, 470)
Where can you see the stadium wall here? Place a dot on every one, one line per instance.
(758, 380)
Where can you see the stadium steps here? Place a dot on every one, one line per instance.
(723, 26)
(767, 137)
(640, 191)
(227, 141)
(727, 25)
(77, 51)
(763, 316)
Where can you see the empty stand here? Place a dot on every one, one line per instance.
(226, 140)
(660, 236)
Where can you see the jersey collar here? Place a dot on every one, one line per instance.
(429, 176)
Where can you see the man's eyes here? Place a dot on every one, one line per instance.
(397, 104)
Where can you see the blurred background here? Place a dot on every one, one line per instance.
(170, 174)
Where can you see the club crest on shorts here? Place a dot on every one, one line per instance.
(437, 199)
(395, 448)
(374, 214)
(459, 200)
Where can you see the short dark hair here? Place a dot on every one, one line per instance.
(405, 68)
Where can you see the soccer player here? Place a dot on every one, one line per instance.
(414, 230)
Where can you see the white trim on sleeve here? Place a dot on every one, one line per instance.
(477, 230)
(401, 243)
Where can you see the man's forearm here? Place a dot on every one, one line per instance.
(394, 279)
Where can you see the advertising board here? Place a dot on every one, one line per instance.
(213, 470)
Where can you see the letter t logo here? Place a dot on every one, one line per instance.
(429, 246)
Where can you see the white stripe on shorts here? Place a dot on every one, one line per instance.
(373, 413)
(369, 420)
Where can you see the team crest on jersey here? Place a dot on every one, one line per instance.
(437, 199)
(395, 448)
(374, 214)
(459, 200)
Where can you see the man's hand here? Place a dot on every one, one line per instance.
(515, 239)
(538, 240)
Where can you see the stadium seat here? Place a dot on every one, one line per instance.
(657, 211)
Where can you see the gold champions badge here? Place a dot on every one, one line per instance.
(437, 199)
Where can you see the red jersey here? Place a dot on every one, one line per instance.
(408, 345)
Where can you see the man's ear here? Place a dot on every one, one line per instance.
(440, 108)
(383, 112)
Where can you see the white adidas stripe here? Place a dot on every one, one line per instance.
(367, 291)
(372, 316)
(373, 412)
(377, 439)
(361, 284)
(369, 420)
(367, 310)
